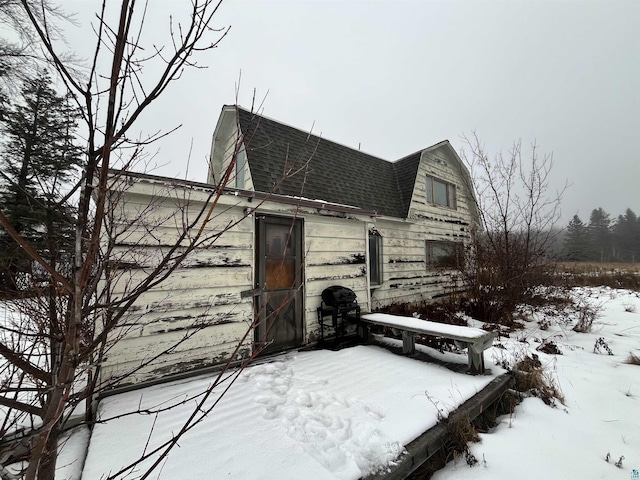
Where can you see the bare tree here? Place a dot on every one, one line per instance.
(20, 54)
(141, 246)
(518, 210)
(70, 327)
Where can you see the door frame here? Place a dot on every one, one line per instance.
(261, 293)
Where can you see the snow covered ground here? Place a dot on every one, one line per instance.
(314, 415)
(601, 414)
(341, 415)
(328, 415)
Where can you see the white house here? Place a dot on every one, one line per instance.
(297, 214)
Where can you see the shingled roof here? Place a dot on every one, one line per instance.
(316, 168)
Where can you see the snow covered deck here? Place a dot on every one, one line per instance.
(317, 415)
(475, 340)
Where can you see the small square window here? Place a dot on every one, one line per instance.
(375, 258)
(441, 193)
(443, 254)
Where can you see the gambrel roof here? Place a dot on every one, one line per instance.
(316, 168)
(293, 163)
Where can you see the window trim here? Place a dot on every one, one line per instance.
(452, 201)
(458, 252)
(375, 269)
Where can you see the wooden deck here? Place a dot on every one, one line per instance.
(426, 445)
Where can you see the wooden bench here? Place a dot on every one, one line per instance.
(475, 340)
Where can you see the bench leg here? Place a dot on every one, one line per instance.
(408, 343)
(476, 353)
(363, 332)
(476, 362)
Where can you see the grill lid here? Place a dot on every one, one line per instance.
(337, 295)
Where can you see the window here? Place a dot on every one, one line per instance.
(441, 193)
(375, 258)
(241, 160)
(443, 254)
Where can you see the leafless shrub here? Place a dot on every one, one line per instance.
(601, 344)
(509, 255)
(587, 313)
(63, 332)
(532, 378)
(461, 433)
(544, 324)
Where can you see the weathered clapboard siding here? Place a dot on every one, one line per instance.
(407, 276)
(182, 340)
(161, 320)
(186, 279)
(156, 356)
(227, 142)
(199, 309)
(203, 296)
(164, 224)
(335, 254)
(213, 288)
(149, 256)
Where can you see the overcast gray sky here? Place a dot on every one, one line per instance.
(398, 76)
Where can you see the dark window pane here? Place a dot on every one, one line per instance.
(375, 253)
(444, 254)
(440, 193)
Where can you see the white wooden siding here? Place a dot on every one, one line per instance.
(206, 299)
(200, 306)
(225, 140)
(335, 254)
(407, 277)
(173, 352)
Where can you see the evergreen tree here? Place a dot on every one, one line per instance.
(576, 242)
(37, 160)
(627, 237)
(599, 230)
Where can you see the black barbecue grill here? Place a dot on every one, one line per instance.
(337, 308)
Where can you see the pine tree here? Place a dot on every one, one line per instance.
(599, 229)
(37, 161)
(576, 242)
(627, 237)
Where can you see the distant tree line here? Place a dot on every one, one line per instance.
(603, 239)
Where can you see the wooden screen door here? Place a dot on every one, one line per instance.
(278, 275)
